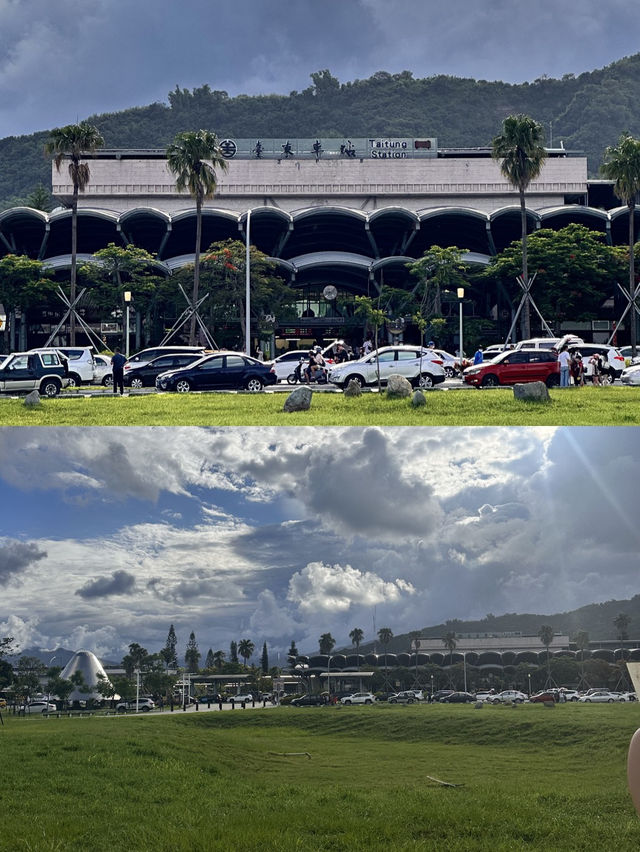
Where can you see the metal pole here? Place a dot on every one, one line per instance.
(460, 297)
(464, 653)
(137, 670)
(247, 295)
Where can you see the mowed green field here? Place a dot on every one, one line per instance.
(529, 778)
(606, 406)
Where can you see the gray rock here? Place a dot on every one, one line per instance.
(353, 389)
(32, 399)
(398, 387)
(418, 399)
(298, 400)
(532, 392)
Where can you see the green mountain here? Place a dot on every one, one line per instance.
(596, 619)
(585, 113)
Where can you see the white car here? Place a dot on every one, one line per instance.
(144, 704)
(600, 696)
(285, 364)
(40, 707)
(102, 372)
(513, 695)
(631, 375)
(629, 358)
(245, 697)
(359, 698)
(421, 367)
(146, 355)
(451, 363)
(614, 360)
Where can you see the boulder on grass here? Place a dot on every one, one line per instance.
(418, 399)
(532, 392)
(298, 400)
(32, 399)
(398, 387)
(353, 388)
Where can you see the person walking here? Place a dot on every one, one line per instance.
(565, 361)
(117, 368)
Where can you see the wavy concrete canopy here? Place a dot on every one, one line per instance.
(90, 667)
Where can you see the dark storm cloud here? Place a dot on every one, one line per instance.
(66, 61)
(15, 558)
(119, 583)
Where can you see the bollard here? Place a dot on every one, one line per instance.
(244, 705)
(197, 705)
(233, 704)
(220, 704)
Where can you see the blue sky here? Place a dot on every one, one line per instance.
(62, 62)
(109, 535)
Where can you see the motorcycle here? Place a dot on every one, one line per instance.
(320, 377)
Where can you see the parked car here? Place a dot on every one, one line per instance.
(518, 365)
(421, 367)
(451, 363)
(23, 372)
(102, 371)
(600, 696)
(513, 695)
(613, 360)
(285, 364)
(313, 700)
(242, 697)
(211, 698)
(79, 361)
(407, 697)
(458, 698)
(631, 375)
(440, 693)
(545, 696)
(40, 707)
(219, 371)
(143, 704)
(146, 355)
(627, 354)
(628, 696)
(359, 698)
(144, 375)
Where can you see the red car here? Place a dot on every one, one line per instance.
(515, 366)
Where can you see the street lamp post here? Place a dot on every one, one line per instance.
(329, 676)
(529, 676)
(127, 302)
(460, 292)
(464, 668)
(137, 674)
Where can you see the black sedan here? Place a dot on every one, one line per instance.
(458, 698)
(223, 370)
(313, 700)
(145, 375)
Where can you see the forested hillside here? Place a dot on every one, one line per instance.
(586, 113)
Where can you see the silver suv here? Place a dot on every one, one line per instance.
(422, 367)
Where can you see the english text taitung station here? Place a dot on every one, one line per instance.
(350, 213)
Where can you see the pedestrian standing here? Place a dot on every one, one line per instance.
(564, 360)
(117, 368)
(478, 358)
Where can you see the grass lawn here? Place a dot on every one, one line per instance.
(605, 406)
(530, 778)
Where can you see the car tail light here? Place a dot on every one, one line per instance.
(437, 361)
(272, 370)
(618, 358)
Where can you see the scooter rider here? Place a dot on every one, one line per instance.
(316, 364)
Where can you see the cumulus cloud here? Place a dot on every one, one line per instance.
(321, 587)
(15, 558)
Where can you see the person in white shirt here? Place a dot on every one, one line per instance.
(565, 362)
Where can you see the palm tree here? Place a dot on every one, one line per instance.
(246, 649)
(450, 642)
(356, 636)
(546, 637)
(74, 142)
(193, 158)
(522, 154)
(326, 643)
(622, 165)
(385, 635)
(218, 659)
(621, 623)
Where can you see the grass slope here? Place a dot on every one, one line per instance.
(575, 407)
(531, 778)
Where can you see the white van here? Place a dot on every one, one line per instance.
(550, 342)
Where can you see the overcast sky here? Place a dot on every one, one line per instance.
(62, 62)
(108, 535)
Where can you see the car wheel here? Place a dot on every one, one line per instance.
(136, 383)
(357, 379)
(409, 700)
(50, 388)
(183, 386)
(553, 381)
(120, 709)
(517, 700)
(254, 384)
(490, 381)
(606, 379)
(425, 381)
(496, 701)
(347, 702)
(609, 700)
(74, 380)
(449, 372)
(587, 701)
(145, 709)
(107, 381)
(368, 701)
(574, 698)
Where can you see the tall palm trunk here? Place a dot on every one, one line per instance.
(196, 271)
(74, 264)
(526, 313)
